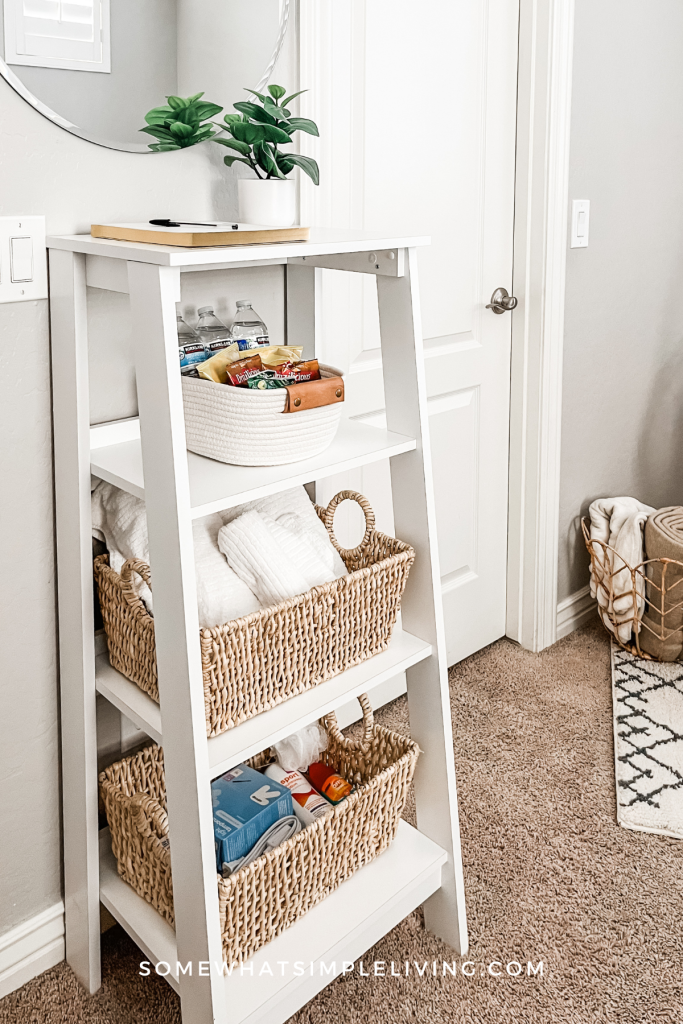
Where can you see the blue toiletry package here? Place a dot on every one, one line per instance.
(245, 805)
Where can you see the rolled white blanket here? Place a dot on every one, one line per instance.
(276, 558)
(619, 523)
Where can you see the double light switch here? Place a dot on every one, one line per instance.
(23, 260)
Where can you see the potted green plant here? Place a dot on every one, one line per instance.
(256, 134)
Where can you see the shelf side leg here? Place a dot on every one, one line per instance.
(422, 610)
(71, 424)
(153, 294)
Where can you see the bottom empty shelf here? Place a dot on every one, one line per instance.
(341, 928)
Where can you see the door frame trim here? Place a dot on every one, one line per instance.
(546, 43)
(546, 38)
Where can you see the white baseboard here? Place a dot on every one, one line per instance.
(31, 948)
(574, 611)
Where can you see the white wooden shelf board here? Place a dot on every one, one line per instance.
(252, 736)
(322, 242)
(215, 485)
(127, 696)
(144, 924)
(346, 924)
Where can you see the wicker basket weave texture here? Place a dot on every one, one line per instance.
(253, 663)
(263, 899)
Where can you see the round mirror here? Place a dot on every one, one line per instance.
(96, 67)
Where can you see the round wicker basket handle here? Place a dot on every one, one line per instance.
(328, 518)
(130, 566)
(330, 723)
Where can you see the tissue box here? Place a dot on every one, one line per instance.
(245, 805)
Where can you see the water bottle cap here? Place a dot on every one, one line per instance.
(243, 302)
(204, 309)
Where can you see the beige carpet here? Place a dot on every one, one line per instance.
(549, 876)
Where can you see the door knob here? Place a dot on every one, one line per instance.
(501, 302)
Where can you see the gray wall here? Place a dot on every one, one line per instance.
(622, 427)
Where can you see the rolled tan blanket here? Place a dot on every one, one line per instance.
(662, 624)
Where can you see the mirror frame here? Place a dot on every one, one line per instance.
(15, 82)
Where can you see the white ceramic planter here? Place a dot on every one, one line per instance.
(270, 202)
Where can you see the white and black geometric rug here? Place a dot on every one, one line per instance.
(648, 743)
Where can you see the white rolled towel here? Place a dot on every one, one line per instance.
(276, 558)
(619, 523)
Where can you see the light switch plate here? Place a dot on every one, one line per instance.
(23, 259)
(581, 211)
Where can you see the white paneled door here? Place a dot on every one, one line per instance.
(416, 104)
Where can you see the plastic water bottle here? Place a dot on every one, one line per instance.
(248, 330)
(212, 332)
(190, 347)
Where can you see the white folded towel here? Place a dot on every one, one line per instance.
(221, 594)
(119, 520)
(276, 558)
(618, 522)
(294, 510)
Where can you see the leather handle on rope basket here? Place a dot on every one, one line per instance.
(333, 730)
(151, 820)
(328, 518)
(130, 566)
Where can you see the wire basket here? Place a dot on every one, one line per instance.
(637, 600)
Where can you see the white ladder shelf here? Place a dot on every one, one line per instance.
(148, 458)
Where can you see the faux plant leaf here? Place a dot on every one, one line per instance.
(177, 102)
(243, 131)
(278, 113)
(293, 96)
(182, 131)
(254, 133)
(158, 114)
(197, 96)
(259, 94)
(265, 158)
(206, 110)
(302, 124)
(230, 160)
(232, 119)
(284, 163)
(307, 164)
(255, 112)
(240, 147)
(158, 132)
(163, 147)
(276, 91)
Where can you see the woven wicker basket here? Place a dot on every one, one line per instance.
(246, 427)
(253, 663)
(261, 900)
(643, 596)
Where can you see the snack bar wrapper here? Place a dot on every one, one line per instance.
(216, 368)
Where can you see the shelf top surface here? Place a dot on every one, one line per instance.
(216, 485)
(250, 737)
(322, 242)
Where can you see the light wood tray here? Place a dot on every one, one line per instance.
(194, 238)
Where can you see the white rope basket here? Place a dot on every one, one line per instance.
(248, 427)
